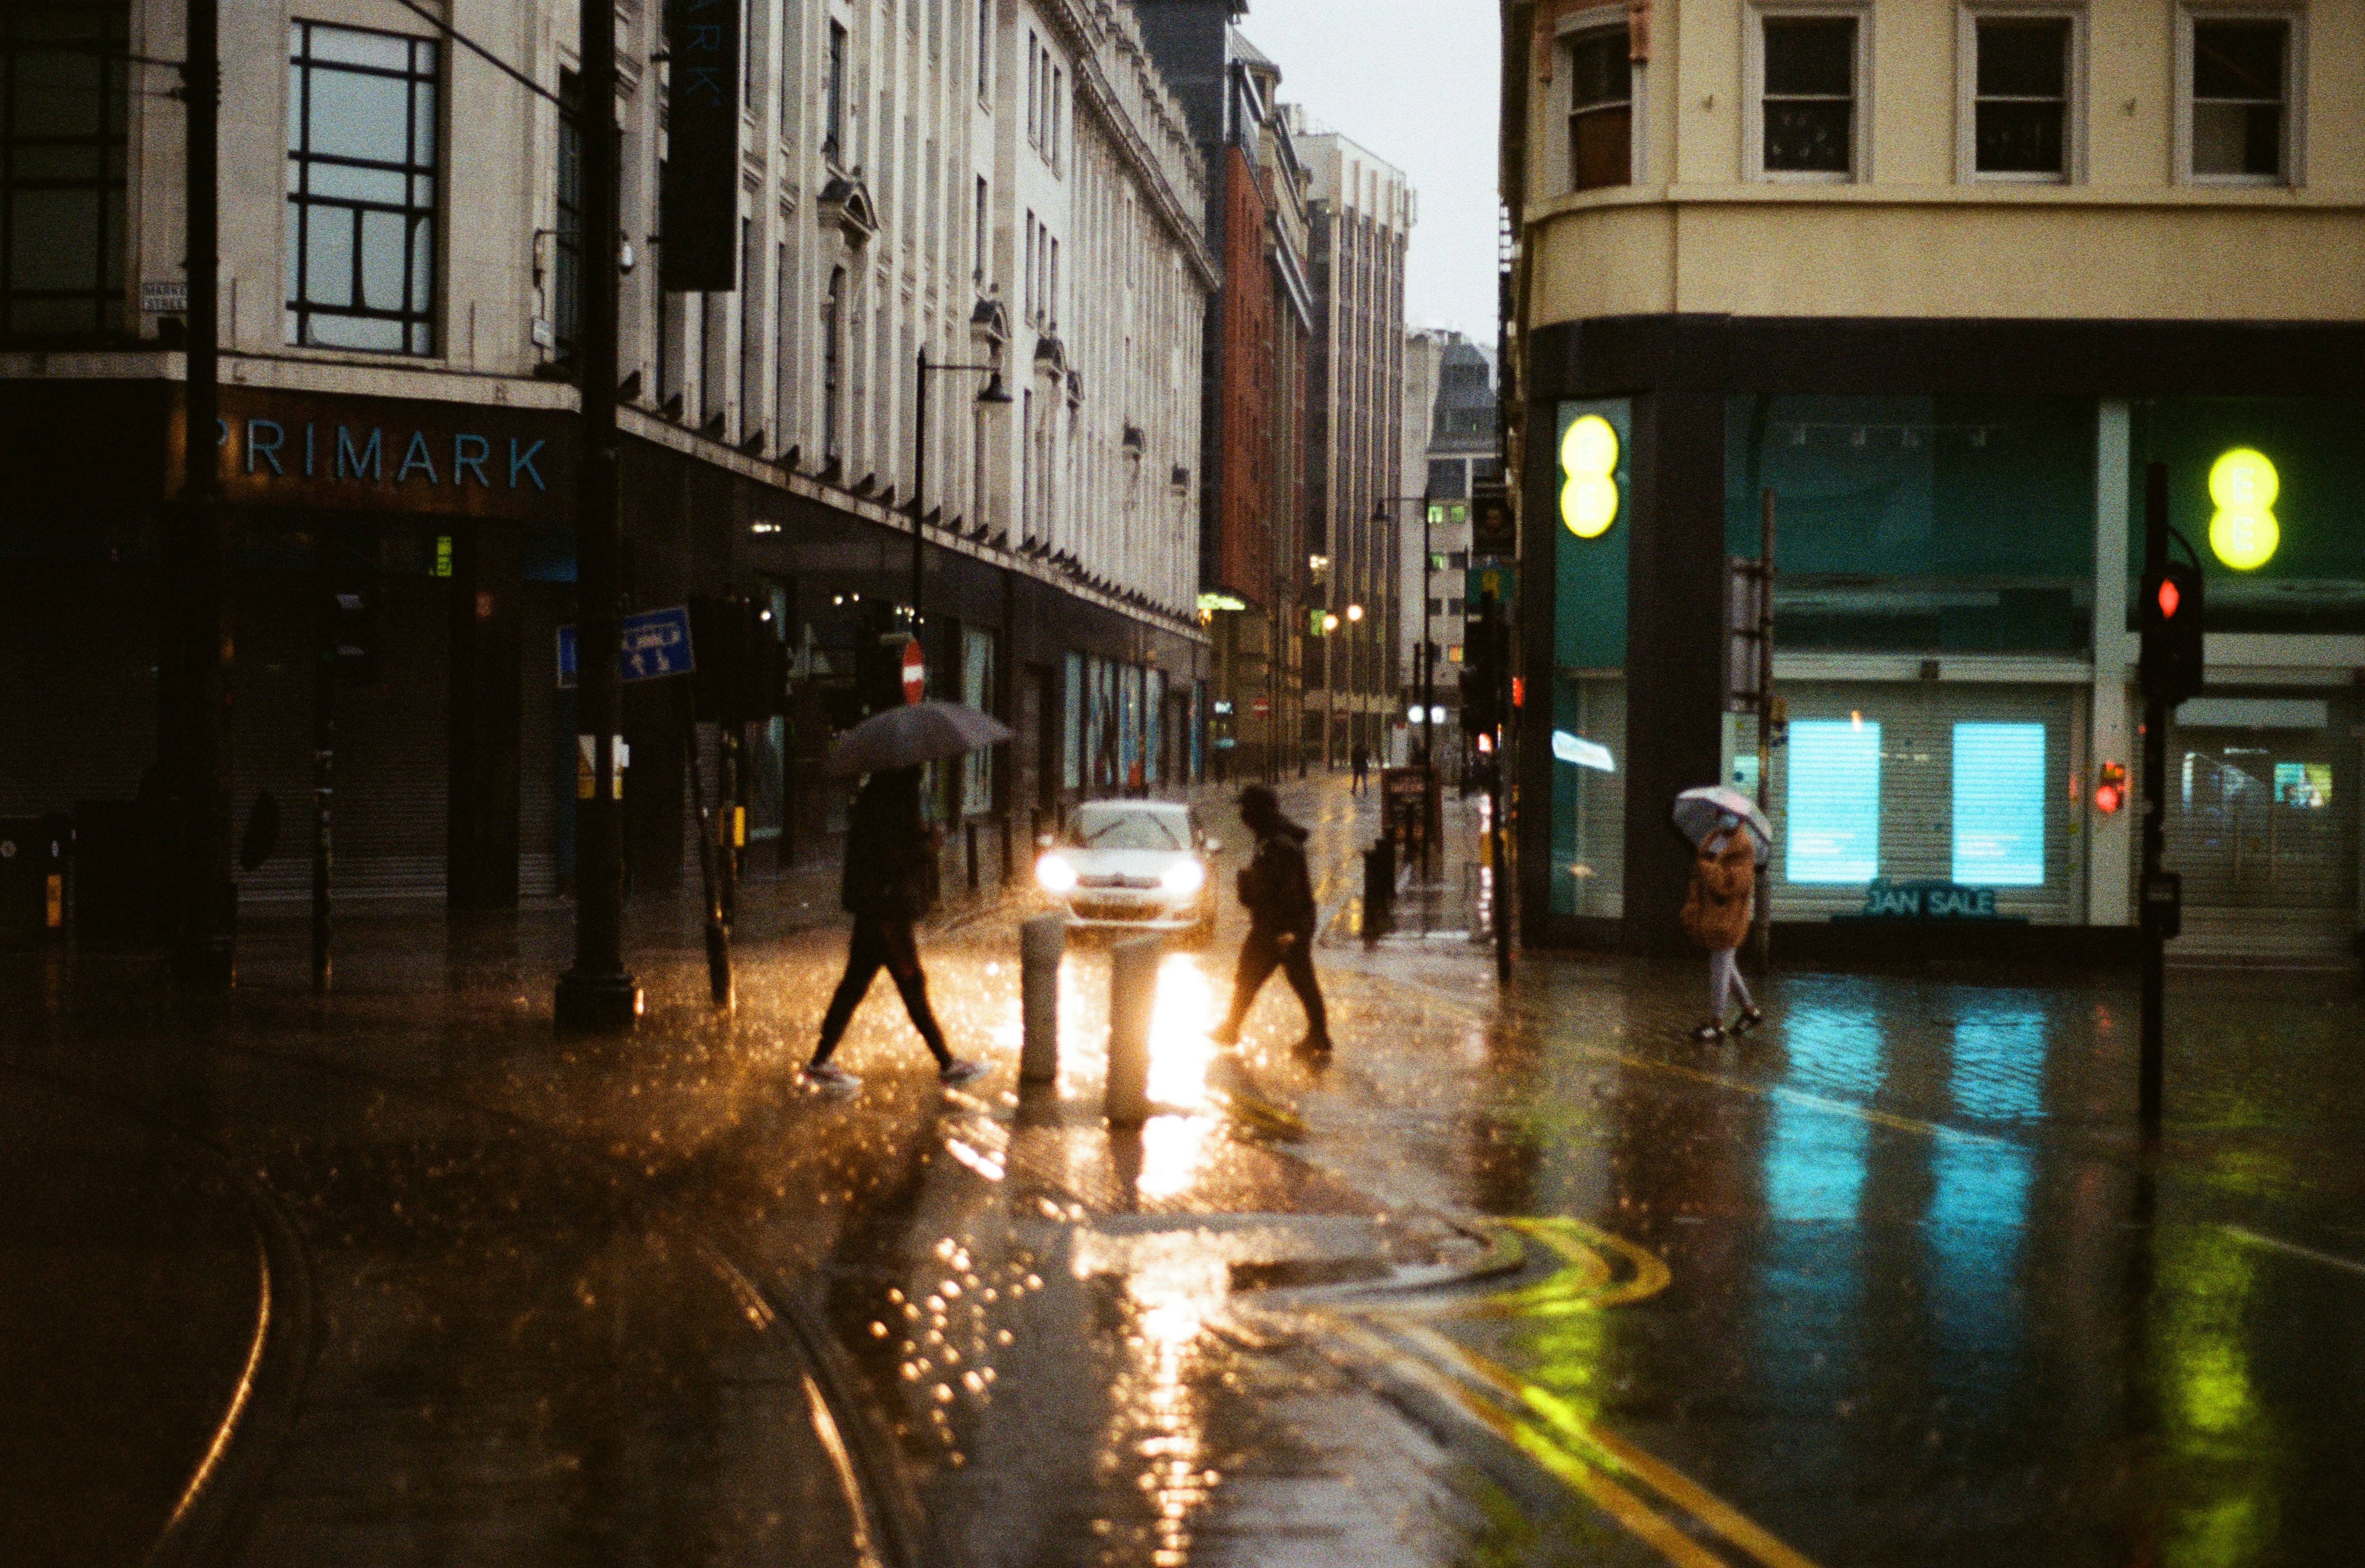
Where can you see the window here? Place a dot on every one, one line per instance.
(1457, 560)
(1051, 284)
(784, 399)
(1809, 96)
(984, 50)
(2238, 78)
(833, 364)
(61, 152)
(833, 104)
(979, 238)
(1026, 304)
(751, 327)
(1600, 109)
(1033, 91)
(1832, 802)
(362, 159)
(1999, 806)
(2020, 121)
(1057, 118)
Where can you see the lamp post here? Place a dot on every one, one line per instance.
(994, 394)
(598, 994)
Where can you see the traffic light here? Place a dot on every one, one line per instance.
(1493, 531)
(2111, 789)
(1482, 711)
(718, 642)
(2170, 617)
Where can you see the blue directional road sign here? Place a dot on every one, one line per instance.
(656, 644)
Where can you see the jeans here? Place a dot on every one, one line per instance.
(1262, 954)
(881, 943)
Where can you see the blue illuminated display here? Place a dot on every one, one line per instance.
(1832, 804)
(2000, 805)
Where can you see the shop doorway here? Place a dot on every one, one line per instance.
(2262, 825)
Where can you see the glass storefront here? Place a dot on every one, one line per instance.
(1588, 707)
(1976, 786)
(1923, 524)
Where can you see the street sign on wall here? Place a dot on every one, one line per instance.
(655, 644)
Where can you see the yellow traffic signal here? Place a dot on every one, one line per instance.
(2243, 486)
(1588, 467)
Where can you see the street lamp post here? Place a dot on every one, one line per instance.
(995, 394)
(598, 995)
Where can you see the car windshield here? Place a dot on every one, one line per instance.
(1129, 827)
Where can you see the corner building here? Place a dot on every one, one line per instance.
(1944, 281)
(1003, 184)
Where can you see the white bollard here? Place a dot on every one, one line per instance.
(1041, 941)
(1133, 996)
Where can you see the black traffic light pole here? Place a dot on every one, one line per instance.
(2170, 619)
(598, 994)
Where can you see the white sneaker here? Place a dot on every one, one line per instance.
(829, 1075)
(960, 1070)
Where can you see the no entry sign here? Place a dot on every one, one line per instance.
(915, 671)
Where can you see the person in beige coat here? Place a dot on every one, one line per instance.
(1716, 915)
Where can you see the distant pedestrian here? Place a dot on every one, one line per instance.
(1360, 761)
(1280, 900)
(1716, 915)
(888, 882)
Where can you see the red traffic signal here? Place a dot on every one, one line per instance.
(2111, 789)
(2170, 618)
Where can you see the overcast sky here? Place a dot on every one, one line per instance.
(1414, 81)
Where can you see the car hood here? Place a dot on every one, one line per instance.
(1144, 865)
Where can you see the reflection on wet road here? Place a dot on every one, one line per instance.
(1519, 1277)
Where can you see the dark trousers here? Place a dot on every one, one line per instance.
(1262, 954)
(881, 943)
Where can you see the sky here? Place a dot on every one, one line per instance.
(1416, 82)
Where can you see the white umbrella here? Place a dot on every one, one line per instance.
(914, 733)
(1699, 813)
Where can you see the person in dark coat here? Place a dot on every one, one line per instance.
(1716, 915)
(1360, 761)
(888, 883)
(1280, 900)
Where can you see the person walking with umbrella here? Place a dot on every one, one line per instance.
(1729, 837)
(1280, 900)
(889, 876)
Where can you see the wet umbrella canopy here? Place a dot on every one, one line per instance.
(912, 735)
(1698, 814)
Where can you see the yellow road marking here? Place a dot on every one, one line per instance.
(1595, 1462)
(1587, 1480)
(1622, 1456)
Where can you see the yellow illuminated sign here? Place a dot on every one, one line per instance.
(2243, 486)
(1588, 465)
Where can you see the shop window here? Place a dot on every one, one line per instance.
(62, 93)
(1600, 109)
(1810, 74)
(1999, 805)
(2236, 75)
(1832, 802)
(976, 690)
(2024, 82)
(1071, 690)
(833, 364)
(364, 155)
(1931, 524)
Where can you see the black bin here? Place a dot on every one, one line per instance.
(33, 854)
(120, 886)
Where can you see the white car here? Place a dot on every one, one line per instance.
(1132, 865)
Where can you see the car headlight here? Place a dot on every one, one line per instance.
(1183, 876)
(1054, 873)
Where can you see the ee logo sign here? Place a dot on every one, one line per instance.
(2243, 486)
(1588, 485)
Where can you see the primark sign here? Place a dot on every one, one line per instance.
(308, 449)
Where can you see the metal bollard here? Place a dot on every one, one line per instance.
(1041, 941)
(1133, 996)
(969, 835)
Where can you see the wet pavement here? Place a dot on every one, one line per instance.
(1519, 1277)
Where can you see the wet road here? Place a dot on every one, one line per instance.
(1520, 1278)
